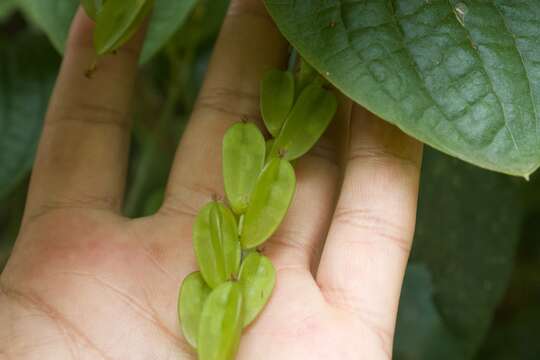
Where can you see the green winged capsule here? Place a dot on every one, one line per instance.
(305, 76)
(117, 21)
(92, 7)
(217, 248)
(270, 200)
(243, 159)
(221, 323)
(306, 122)
(193, 294)
(257, 279)
(276, 99)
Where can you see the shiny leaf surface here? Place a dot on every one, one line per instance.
(277, 98)
(306, 122)
(269, 202)
(257, 279)
(215, 240)
(221, 323)
(243, 160)
(193, 294)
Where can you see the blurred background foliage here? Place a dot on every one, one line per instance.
(472, 289)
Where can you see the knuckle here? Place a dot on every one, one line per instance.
(92, 115)
(228, 101)
(381, 155)
(376, 229)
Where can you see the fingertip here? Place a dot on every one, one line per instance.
(80, 34)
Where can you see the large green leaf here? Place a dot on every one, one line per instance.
(6, 8)
(462, 76)
(28, 67)
(467, 231)
(55, 16)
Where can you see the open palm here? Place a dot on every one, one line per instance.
(86, 283)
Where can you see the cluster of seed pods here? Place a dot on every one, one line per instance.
(235, 280)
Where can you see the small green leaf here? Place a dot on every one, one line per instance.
(117, 21)
(243, 160)
(269, 202)
(257, 279)
(305, 124)
(193, 294)
(215, 240)
(92, 7)
(221, 323)
(277, 98)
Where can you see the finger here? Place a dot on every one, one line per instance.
(364, 259)
(248, 45)
(82, 155)
(297, 242)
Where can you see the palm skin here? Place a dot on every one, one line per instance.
(116, 299)
(83, 282)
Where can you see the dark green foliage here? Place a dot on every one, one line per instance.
(25, 86)
(468, 228)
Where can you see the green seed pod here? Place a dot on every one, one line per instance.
(193, 294)
(243, 159)
(269, 202)
(117, 22)
(221, 323)
(277, 98)
(305, 76)
(306, 122)
(257, 279)
(215, 239)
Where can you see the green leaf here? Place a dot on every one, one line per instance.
(269, 203)
(54, 17)
(117, 21)
(461, 76)
(221, 323)
(277, 98)
(216, 244)
(193, 294)
(28, 67)
(257, 278)
(466, 235)
(243, 160)
(307, 121)
(7, 7)
(422, 332)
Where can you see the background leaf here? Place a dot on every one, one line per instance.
(7, 7)
(462, 76)
(54, 17)
(468, 228)
(28, 67)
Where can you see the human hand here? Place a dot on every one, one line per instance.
(84, 282)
